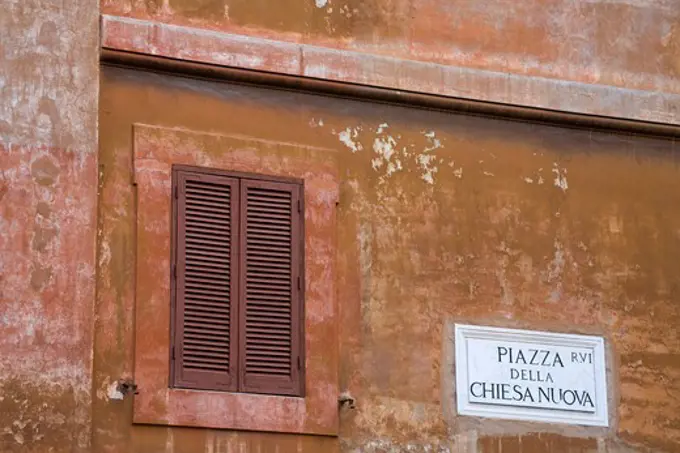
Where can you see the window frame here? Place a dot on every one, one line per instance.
(155, 148)
(237, 275)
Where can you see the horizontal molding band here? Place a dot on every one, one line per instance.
(348, 66)
(383, 95)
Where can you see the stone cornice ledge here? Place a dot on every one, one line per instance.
(238, 51)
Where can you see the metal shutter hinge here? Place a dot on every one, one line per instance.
(299, 207)
(299, 283)
(299, 363)
(174, 272)
(176, 192)
(173, 353)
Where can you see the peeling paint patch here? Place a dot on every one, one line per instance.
(348, 136)
(392, 154)
(383, 147)
(457, 171)
(316, 122)
(109, 390)
(560, 177)
(536, 178)
(320, 3)
(114, 392)
(556, 271)
(427, 162)
(435, 143)
(426, 166)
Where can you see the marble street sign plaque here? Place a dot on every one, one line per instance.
(531, 375)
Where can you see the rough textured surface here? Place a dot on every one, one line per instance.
(353, 67)
(486, 44)
(48, 173)
(442, 218)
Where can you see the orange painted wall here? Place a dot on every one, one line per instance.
(442, 218)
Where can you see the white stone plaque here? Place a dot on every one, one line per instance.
(531, 375)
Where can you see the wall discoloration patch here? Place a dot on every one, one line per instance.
(40, 417)
(46, 320)
(45, 171)
(48, 135)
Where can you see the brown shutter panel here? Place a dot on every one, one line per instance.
(205, 311)
(271, 315)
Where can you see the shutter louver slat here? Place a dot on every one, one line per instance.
(271, 306)
(206, 315)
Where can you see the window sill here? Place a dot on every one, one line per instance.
(240, 411)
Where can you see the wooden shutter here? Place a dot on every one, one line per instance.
(270, 352)
(205, 291)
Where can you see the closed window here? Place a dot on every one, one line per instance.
(237, 273)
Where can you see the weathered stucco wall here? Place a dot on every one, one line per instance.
(48, 172)
(606, 57)
(614, 42)
(442, 218)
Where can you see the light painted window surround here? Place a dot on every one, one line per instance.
(156, 149)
